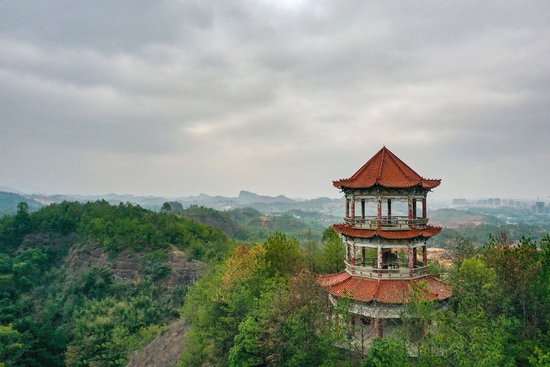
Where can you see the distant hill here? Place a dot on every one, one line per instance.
(9, 201)
(453, 218)
(250, 225)
(263, 203)
(477, 224)
(246, 197)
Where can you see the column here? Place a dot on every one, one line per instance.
(363, 255)
(379, 213)
(379, 261)
(353, 255)
(378, 328)
(353, 209)
(415, 257)
(353, 325)
(389, 208)
(347, 208)
(363, 209)
(411, 258)
(410, 208)
(414, 209)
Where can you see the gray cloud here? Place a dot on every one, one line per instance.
(182, 97)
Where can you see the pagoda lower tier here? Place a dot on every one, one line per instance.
(382, 291)
(380, 297)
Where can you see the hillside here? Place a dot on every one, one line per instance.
(93, 284)
(250, 225)
(89, 284)
(478, 224)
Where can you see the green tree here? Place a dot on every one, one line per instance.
(22, 223)
(387, 352)
(11, 345)
(333, 252)
(475, 285)
(283, 255)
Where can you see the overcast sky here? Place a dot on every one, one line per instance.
(175, 98)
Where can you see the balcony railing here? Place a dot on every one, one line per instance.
(398, 270)
(373, 262)
(397, 223)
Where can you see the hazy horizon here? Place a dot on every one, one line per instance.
(432, 197)
(177, 98)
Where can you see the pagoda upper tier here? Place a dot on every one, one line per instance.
(386, 170)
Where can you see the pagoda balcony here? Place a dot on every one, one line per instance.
(393, 223)
(397, 270)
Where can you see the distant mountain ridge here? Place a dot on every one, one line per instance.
(263, 203)
(9, 201)
(250, 197)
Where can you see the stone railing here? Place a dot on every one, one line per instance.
(387, 223)
(395, 271)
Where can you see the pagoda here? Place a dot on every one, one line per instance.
(385, 234)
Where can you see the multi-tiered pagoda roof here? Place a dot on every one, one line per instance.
(385, 169)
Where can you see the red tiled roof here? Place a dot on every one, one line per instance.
(348, 230)
(382, 291)
(386, 170)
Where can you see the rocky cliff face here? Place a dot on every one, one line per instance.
(128, 265)
(164, 351)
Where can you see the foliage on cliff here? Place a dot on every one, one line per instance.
(262, 306)
(53, 313)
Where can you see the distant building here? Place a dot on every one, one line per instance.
(539, 207)
(460, 202)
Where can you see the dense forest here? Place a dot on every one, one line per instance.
(263, 307)
(258, 303)
(55, 314)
